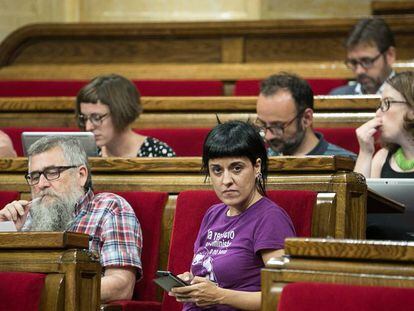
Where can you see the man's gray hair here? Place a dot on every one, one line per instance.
(73, 152)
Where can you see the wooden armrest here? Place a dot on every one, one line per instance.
(53, 296)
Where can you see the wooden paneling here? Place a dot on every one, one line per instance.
(349, 249)
(228, 73)
(40, 240)
(179, 112)
(283, 42)
(143, 50)
(331, 177)
(372, 263)
(73, 281)
(53, 294)
(191, 104)
(290, 48)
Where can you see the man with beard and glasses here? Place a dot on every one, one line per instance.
(370, 55)
(285, 117)
(63, 200)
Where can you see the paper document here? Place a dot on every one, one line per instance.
(7, 226)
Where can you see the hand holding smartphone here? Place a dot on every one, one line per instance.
(168, 280)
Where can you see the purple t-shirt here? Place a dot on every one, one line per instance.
(227, 249)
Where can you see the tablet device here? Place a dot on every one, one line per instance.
(168, 280)
(87, 140)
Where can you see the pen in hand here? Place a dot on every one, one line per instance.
(17, 211)
(36, 200)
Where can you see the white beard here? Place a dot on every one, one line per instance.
(55, 211)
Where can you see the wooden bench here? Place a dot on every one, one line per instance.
(341, 202)
(372, 263)
(225, 51)
(340, 212)
(183, 112)
(73, 274)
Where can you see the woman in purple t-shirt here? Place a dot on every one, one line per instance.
(238, 235)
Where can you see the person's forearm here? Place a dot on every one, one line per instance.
(363, 164)
(115, 288)
(241, 300)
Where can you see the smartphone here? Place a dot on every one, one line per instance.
(168, 280)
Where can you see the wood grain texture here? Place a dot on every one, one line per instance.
(356, 262)
(193, 164)
(53, 298)
(232, 50)
(324, 265)
(338, 189)
(189, 42)
(190, 104)
(178, 120)
(194, 71)
(53, 240)
(179, 112)
(351, 249)
(330, 175)
(79, 269)
(273, 280)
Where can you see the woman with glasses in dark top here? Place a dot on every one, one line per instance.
(107, 107)
(394, 121)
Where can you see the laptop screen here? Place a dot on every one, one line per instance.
(397, 189)
(86, 139)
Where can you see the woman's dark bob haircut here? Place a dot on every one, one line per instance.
(115, 91)
(236, 139)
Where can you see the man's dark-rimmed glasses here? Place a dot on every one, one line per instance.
(276, 129)
(365, 62)
(50, 173)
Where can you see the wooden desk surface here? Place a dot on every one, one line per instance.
(227, 73)
(341, 261)
(43, 240)
(187, 112)
(114, 170)
(190, 104)
(285, 164)
(350, 249)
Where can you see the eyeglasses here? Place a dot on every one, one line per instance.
(276, 129)
(50, 173)
(365, 62)
(385, 103)
(96, 119)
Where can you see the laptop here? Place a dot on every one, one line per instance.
(397, 189)
(393, 226)
(87, 140)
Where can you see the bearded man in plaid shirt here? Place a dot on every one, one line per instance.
(61, 187)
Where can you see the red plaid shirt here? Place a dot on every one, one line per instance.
(113, 227)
